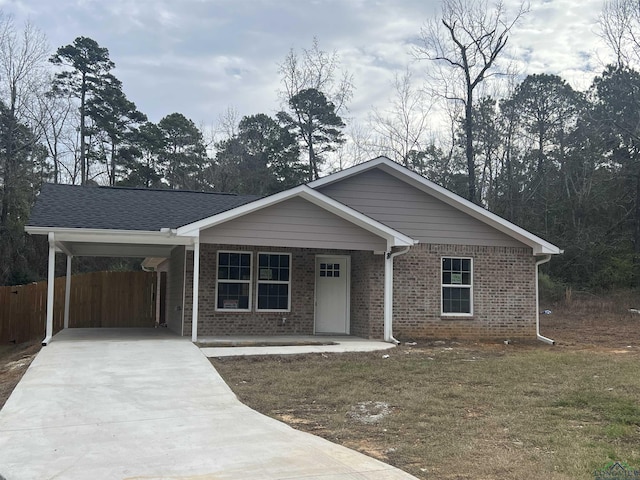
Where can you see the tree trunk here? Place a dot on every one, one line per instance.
(112, 173)
(83, 165)
(313, 169)
(56, 172)
(636, 222)
(636, 235)
(10, 163)
(468, 130)
(6, 194)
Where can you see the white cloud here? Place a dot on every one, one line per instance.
(198, 57)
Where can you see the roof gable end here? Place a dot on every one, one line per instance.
(539, 245)
(393, 237)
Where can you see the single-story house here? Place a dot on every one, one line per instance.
(375, 251)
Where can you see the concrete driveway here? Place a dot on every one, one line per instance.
(142, 404)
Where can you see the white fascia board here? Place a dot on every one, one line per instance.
(539, 245)
(349, 172)
(110, 236)
(393, 237)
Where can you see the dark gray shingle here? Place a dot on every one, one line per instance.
(120, 208)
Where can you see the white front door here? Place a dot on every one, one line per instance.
(332, 294)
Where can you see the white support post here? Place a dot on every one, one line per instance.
(388, 295)
(51, 277)
(196, 286)
(67, 292)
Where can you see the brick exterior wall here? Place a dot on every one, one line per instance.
(503, 294)
(367, 295)
(299, 321)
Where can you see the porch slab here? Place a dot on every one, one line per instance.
(287, 345)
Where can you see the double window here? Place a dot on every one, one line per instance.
(235, 282)
(457, 286)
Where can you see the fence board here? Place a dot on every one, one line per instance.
(98, 299)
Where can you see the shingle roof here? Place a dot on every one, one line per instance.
(122, 208)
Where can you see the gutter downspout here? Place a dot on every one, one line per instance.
(538, 335)
(388, 294)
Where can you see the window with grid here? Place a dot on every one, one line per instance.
(457, 286)
(274, 281)
(234, 281)
(330, 270)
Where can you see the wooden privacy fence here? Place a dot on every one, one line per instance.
(99, 299)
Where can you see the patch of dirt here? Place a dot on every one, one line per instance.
(369, 412)
(371, 448)
(14, 361)
(292, 420)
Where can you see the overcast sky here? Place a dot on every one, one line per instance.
(199, 57)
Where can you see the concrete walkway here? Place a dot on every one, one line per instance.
(134, 404)
(287, 345)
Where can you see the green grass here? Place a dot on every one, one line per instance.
(468, 412)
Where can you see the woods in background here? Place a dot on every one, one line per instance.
(561, 163)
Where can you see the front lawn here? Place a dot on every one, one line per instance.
(462, 410)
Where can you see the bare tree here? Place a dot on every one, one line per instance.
(227, 125)
(23, 55)
(317, 69)
(402, 127)
(465, 44)
(619, 23)
(56, 122)
(358, 147)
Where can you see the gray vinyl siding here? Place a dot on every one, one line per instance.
(412, 211)
(293, 223)
(175, 290)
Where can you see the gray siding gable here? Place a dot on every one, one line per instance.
(293, 223)
(412, 211)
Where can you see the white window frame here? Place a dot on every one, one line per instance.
(219, 281)
(449, 285)
(272, 282)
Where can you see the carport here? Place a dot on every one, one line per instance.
(117, 222)
(97, 244)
